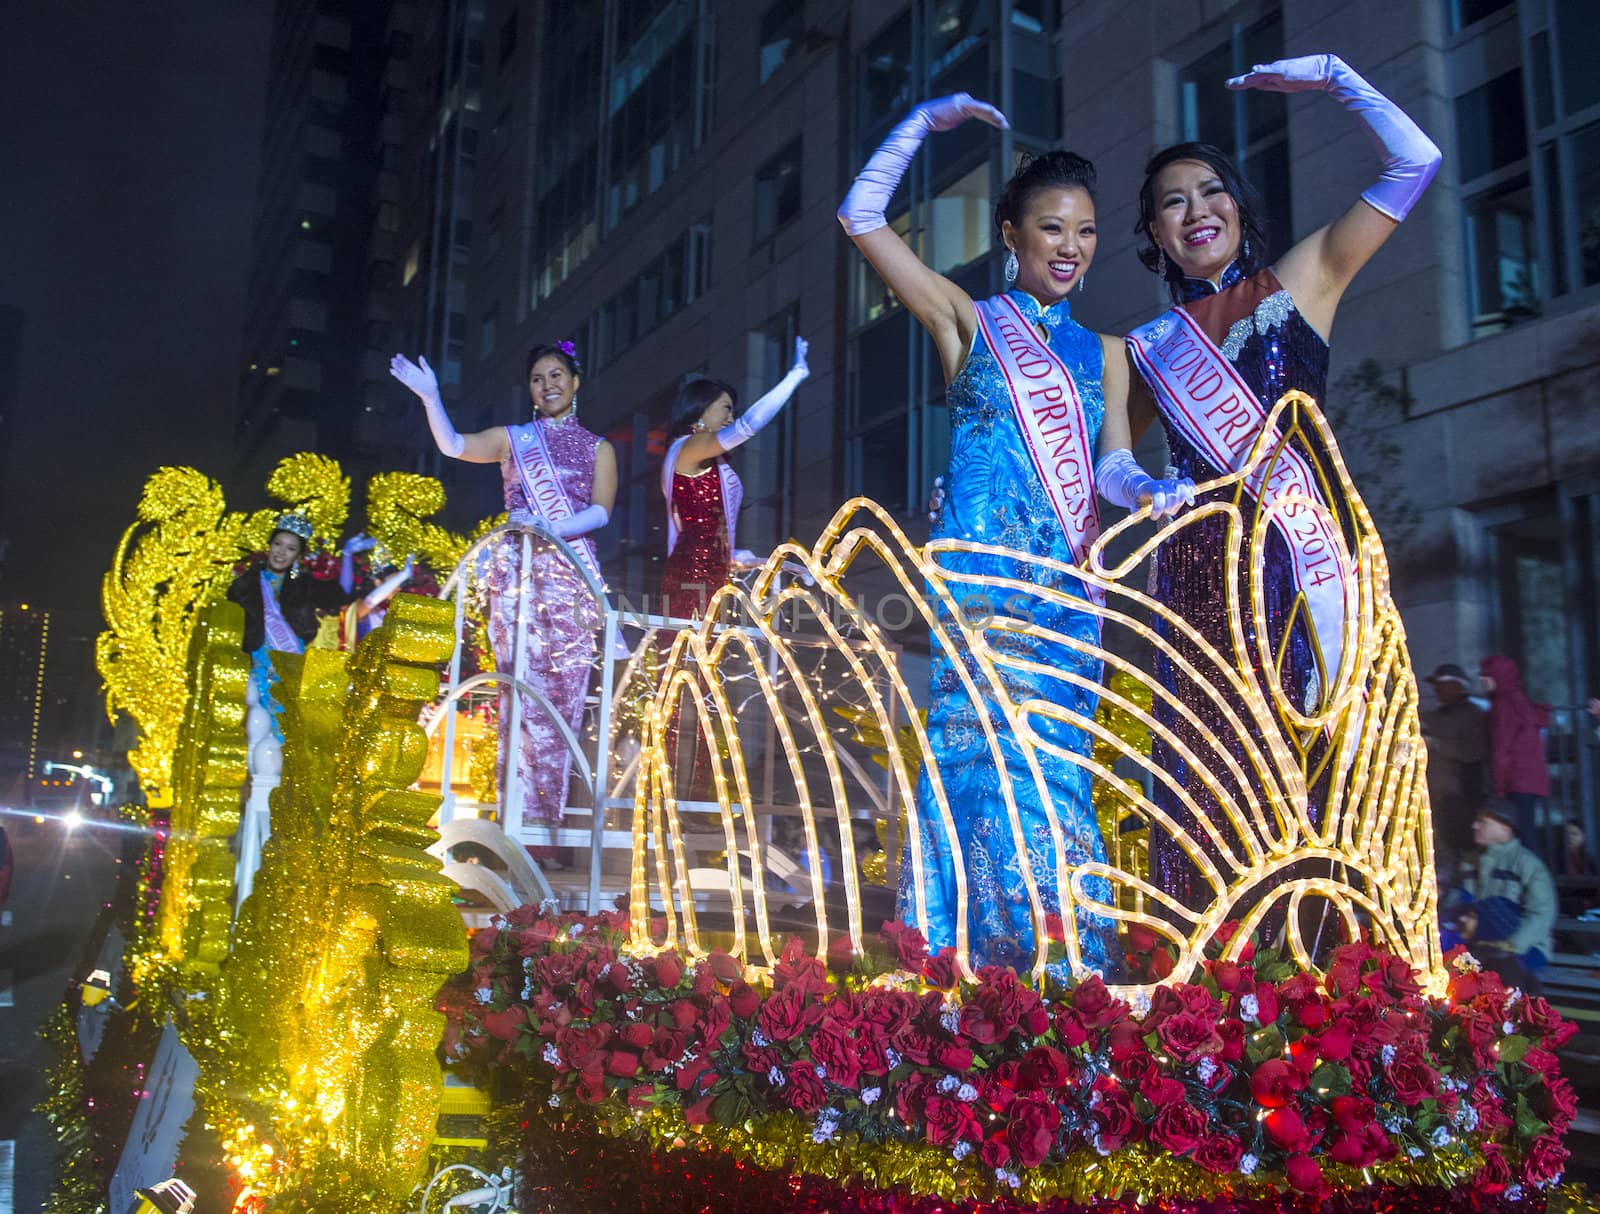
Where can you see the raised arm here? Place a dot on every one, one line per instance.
(1319, 268)
(702, 448)
(484, 447)
(944, 309)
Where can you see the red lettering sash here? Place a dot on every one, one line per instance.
(1051, 418)
(542, 486)
(1201, 394)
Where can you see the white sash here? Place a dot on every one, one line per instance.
(530, 451)
(1201, 394)
(280, 637)
(732, 494)
(1050, 416)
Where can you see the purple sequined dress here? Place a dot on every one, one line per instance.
(1256, 325)
(558, 631)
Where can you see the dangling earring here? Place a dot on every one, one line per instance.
(700, 426)
(1081, 280)
(294, 570)
(1244, 253)
(574, 408)
(1161, 261)
(1011, 269)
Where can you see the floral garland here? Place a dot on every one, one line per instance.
(1256, 1074)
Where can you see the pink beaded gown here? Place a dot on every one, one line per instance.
(558, 627)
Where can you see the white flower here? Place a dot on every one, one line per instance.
(949, 1084)
(483, 994)
(827, 1126)
(1141, 1004)
(961, 1150)
(605, 969)
(950, 1020)
(776, 1077)
(1466, 1117)
(549, 907)
(555, 1101)
(1466, 963)
(1006, 1176)
(527, 989)
(1099, 1146)
(1441, 1137)
(1508, 1028)
(551, 1054)
(1249, 1009)
(891, 1056)
(1387, 1053)
(1393, 1124)
(759, 1039)
(1514, 1193)
(822, 1071)
(966, 1092)
(577, 930)
(869, 1096)
(1206, 1068)
(1414, 1152)
(1247, 1164)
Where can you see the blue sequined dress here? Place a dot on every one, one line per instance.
(1255, 323)
(995, 497)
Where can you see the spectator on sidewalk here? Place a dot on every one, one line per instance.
(1577, 896)
(1457, 735)
(1516, 749)
(1507, 910)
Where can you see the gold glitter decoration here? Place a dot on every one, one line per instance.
(398, 506)
(210, 765)
(784, 1144)
(309, 484)
(1369, 858)
(482, 762)
(1127, 839)
(327, 1001)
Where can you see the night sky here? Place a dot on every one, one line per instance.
(128, 158)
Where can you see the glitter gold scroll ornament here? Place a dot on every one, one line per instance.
(309, 484)
(398, 507)
(1365, 854)
(328, 996)
(209, 769)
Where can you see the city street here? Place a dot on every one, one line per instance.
(62, 881)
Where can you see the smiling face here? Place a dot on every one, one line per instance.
(283, 551)
(551, 386)
(1054, 242)
(717, 414)
(1196, 219)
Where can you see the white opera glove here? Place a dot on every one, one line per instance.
(385, 590)
(743, 558)
(590, 518)
(1410, 158)
(419, 377)
(936, 500)
(1119, 479)
(745, 427)
(863, 208)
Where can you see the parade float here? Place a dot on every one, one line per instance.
(714, 1006)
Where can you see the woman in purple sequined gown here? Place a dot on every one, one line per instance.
(577, 473)
(1269, 322)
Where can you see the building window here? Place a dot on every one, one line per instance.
(492, 229)
(780, 27)
(1502, 253)
(778, 191)
(1252, 126)
(486, 331)
(1465, 12)
(508, 37)
(959, 222)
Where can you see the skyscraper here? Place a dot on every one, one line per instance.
(24, 644)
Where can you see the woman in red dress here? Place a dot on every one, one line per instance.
(703, 491)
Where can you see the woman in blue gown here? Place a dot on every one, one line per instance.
(999, 358)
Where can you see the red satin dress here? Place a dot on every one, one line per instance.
(698, 565)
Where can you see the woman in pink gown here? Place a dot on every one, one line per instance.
(562, 477)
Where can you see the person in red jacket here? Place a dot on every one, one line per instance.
(1516, 748)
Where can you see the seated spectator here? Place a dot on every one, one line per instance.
(1507, 909)
(1576, 862)
(1456, 732)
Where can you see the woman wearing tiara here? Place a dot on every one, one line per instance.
(703, 491)
(563, 477)
(281, 599)
(1246, 332)
(1033, 395)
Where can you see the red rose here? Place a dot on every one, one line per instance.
(698, 1113)
(832, 1046)
(1161, 1091)
(1305, 1174)
(1093, 1003)
(1161, 965)
(743, 999)
(1218, 1153)
(1113, 1113)
(637, 1036)
(1335, 1043)
(1069, 1029)
(1178, 1127)
(1495, 1174)
(1343, 977)
(624, 1064)
(1545, 1160)
(1353, 1114)
(507, 1024)
(940, 969)
(1031, 1128)
(1045, 1068)
(1233, 1035)
(786, 1014)
(592, 1087)
(639, 1095)
(668, 970)
(1126, 1038)
(950, 1120)
(911, 1098)
(1198, 1001)
(1224, 933)
(909, 947)
(995, 1153)
(1287, 1130)
(1140, 938)
(1313, 1013)
(841, 954)
(665, 1049)
(1412, 1079)
(1266, 1003)
(483, 940)
(726, 968)
(1547, 1022)
(950, 1056)
(1562, 1100)
(1351, 1150)
(1542, 1061)
(1138, 1067)
(682, 1014)
(1275, 1083)
(689, 1075)
(803, 1092)
(1189, 1036)
(1226, 974)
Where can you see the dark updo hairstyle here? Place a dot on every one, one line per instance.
(1252, 221)
(562, 350)
(1049, 171)
(695, 395)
